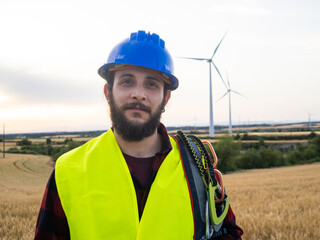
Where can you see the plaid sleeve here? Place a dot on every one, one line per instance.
(52, 222)
(229, 230)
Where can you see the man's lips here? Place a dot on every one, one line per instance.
(136, 110)
(137, 107)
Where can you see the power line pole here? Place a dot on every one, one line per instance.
(4, 141)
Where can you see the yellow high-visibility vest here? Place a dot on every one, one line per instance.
(98, 196)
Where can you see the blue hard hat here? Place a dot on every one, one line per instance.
(144, 50)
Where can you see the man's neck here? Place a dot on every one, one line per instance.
(147, 147)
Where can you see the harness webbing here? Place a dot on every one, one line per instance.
(197, 189)
(207, 196)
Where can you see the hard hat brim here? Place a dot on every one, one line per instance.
(167, 78)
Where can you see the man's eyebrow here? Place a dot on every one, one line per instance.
(149, 77)
(153, 78)
(126, 75)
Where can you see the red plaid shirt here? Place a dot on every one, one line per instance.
(52, 222)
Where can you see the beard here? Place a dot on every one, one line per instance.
(133, 130)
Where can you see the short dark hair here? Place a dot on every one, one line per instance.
(109, 76)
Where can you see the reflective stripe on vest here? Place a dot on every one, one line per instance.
(98, 196)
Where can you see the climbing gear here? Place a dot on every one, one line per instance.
(145, 50)
(199, 158)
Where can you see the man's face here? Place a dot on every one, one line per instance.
(136, 103)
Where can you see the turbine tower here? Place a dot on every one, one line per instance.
(229, 90)
(210, 61)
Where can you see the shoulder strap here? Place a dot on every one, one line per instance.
(209, 201)
(197, 189)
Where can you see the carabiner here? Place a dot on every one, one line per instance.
(211, 152)
(216, 220)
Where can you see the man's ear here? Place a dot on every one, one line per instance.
(168, 95)
(106, 92)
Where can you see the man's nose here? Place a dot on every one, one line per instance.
(138, 93)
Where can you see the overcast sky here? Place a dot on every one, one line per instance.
(50, 52)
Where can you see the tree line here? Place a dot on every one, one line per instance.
(232, 153)
(27, 147)
(232, 156)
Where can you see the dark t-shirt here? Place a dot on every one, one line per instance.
(140, 168)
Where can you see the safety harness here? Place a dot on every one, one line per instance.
(209, 200)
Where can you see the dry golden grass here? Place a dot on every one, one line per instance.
(275, 134)
(278, 127)
(22, 182)
(261, 134)
(302, 142)
(280, 203)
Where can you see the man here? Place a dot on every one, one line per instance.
(129, 182)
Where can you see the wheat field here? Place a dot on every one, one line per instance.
(22, 182)
(280, 203)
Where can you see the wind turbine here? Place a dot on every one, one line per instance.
(210, 61)
(229, 90)
(309, 120)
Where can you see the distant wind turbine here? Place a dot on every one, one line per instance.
(210, 61)
(229, 90)
(309, 120)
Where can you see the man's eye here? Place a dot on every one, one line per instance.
(153, 84)
(126, 82)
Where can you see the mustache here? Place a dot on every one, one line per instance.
(136, 105)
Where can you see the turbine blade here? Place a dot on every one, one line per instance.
(239, 93)
(200, 59)
(220, 75)
(228, 81)
(218, 45)
(222, 97)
